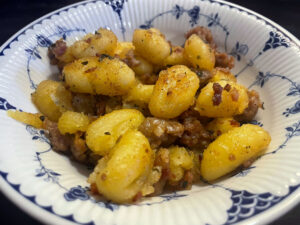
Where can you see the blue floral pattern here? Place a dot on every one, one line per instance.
(294, 89)
(246, 204)
(117, 7)
(4, 105)
(245, 172)
(44, 42)
(194, 18)
(275, 40)
(255, 122)
(239, 50)
(76, 193)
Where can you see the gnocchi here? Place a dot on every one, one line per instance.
(222, 99)
(147, 114)
(103, 133)
(198, 53)
(125, 171)
(173, 92)
(104, 75)
(151, 44)
(232, 149)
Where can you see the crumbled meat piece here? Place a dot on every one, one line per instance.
(195, 134)
(84, 103)
(148, 78)
(191, 112)
(55, 51)
(89, 40)
(59, 142)
(234, 95)
(204, 33)
(101, 102)
(203, 75)
(51, 56)
(59, 48)
(250, 112)
(92, 158)
(160, 131)
(79, 148)
(227, 87)
(223, 60)
(217, 97)
(130, 60)
(162, 160)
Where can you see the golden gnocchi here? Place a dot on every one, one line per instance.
(232, 149)
(173, 92)
(103, 133)
(124, 172)
(147, 114)
(222, 99)
(151, 44)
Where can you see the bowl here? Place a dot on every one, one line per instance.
(53, 189)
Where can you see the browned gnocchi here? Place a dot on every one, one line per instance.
(147, 115)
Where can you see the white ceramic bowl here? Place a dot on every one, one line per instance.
(53, 189)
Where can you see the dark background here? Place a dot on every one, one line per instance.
(15, 14)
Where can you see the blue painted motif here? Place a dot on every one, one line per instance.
(32, 198)
(292, 131)
(275, 40)
(239, 50)
(247, 204)
(194, 15)
(117, 7)
(244, 172)
(165, 198)
(44, 42)
(4, 105)
(255, 122)
(49, 175)
(76, 193)
(294, 89)
(293, 110)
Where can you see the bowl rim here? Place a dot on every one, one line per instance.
(45, 215)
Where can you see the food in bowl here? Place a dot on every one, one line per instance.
(146, 114)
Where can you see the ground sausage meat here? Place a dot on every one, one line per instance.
(56, 50)
(195, 134)
(59, 142)
(130, 59)
(160, 131)
(84, 103)
(203, 75)
(223, 60)
(204, 33)
(251, 110)
(191, 112)
(147, 78)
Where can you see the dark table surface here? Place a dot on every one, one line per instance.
(15, 14)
